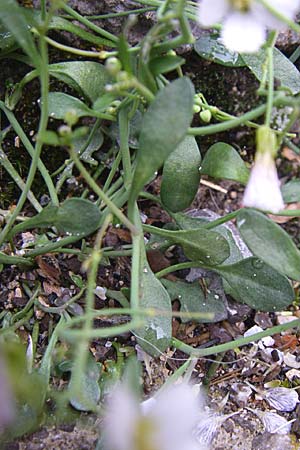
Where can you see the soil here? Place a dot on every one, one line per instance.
(233, 90)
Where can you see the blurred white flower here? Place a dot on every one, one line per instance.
(163, 423)
(245, 22)
(263, 188)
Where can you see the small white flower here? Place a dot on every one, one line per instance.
(164, 423)
(263, 188)
(245, 22)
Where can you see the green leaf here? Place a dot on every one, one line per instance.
(13, 19)
(223, 161)
(269, 242)
(199, 244)
(284, 70)
(253, 282)
(92, 146)
(291, 191)
(86, 77)
(156, 335)
(165, 64)
(238, 249)
(181, 175)
(193, 300)
(210, 47)
(74, 216)
(164, 127)
(7, 41)
(78, 216)
(59, 23)
(17, 260)
(60, 104)
(86, 396)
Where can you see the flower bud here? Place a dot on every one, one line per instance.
(205, 116)
(113, 66)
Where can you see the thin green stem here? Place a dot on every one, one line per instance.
(186, 265)
(270, 65)
(93, 185)
(228, 124)
(292, 146)
(44, 77)
(111, 37)
(124, 147)
(73, 50)
(32, 152)
(199, 353)
(121, 13)
(5, 162)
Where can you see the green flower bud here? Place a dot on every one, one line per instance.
(71, 117)
(113, 66)
(205, 116)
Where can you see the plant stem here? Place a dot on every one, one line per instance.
(93, 185)
(228, 124)
(198, 353)
(124, 147)
(32, 152)
(270, 65)
(90, 24)
(44, 77)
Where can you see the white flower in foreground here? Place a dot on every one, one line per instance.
(245, 22)
(263, 188)
(164, 423)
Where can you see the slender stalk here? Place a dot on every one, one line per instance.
(73, 50)
(198, 353)
(5, 162)
(111, 37)
(93, 185)
(270, 97)
(124, 147)
(180, 266)
(228, 124)
(44, 77)
(32, 152)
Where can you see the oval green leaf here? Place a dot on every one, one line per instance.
(253, 282)
(284, 70)
(199, 244)
(86, 77)
(210, 47)
(60, 104)
(164, 126)
(291, 191)
(193, 300)
(78, 216)
(156, 334)
(223, 161)
(269, 242)
(180, 180)
(74, 216)
(14, 20)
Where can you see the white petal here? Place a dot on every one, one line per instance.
(263, 188)
(288, 8)
(212, 11)
(243, 33)
(175, 412)
(123, 415)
